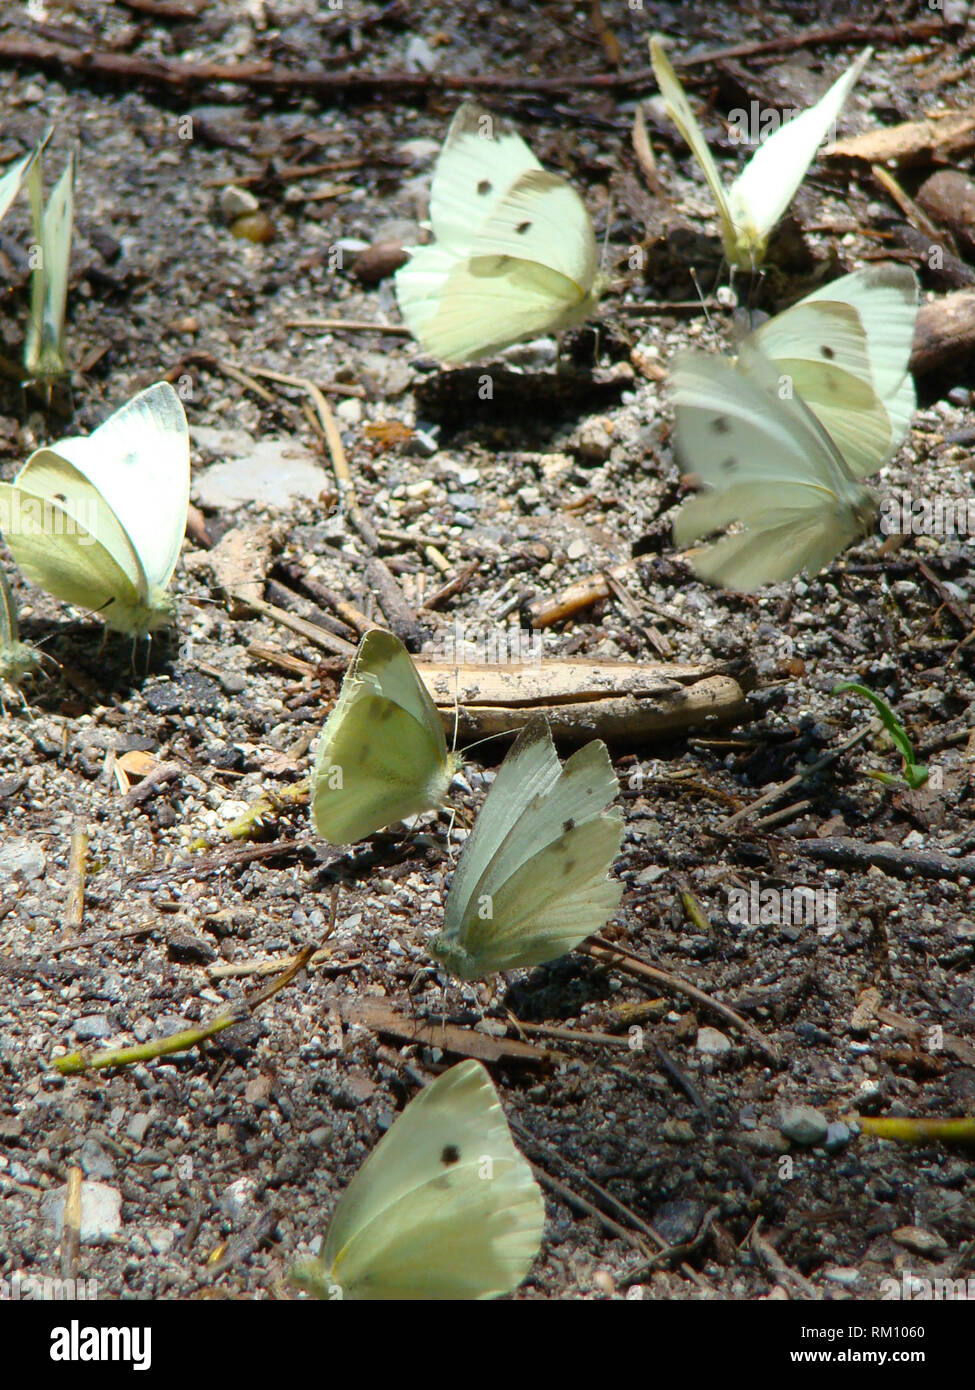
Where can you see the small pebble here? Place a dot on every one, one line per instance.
(804, 1125)
(101, 1212)
(711, 1042)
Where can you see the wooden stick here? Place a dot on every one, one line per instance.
(71, 1227)
(397, 330)
(310, 631)
(619, 958)
(76, 1062)
(88, 63)
(901, 863)
(74, 912)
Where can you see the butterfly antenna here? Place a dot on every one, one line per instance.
(609, 227)
(453, 747)
(702, 298)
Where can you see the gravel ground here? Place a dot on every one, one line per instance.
(219, 1166)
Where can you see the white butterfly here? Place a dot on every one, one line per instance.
(819, 397)
(17, 659)
(514, 255)
(445, 1207)
(531, 881)
(14, 176)
(751, 207)
(99, 521)
(44, 355)
(382, 755)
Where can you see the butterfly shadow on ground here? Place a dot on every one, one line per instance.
(497, 397)
(558, 990)
(91, 664)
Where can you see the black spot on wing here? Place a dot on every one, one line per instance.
(449, 1155)
(523, 227)
(568, 825)
(827, 352)
(484, 187)
(568, 866)
(729, 465)
(720, 425)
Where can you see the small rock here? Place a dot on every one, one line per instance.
(91, 1026)
(161, 1238)
(95, 1161)
(23, 856)
(919, 1241)
(593, 441)
(652, 874)
(712, 1043)
(237, 1200)
(379, 261)
(804, 1125)
(101, 1212)
(349, 411)
(419, 149)
(237, 202)
(257, 1090)
(419, 55)
(138, 1126)
(677, 1132)
(837, 1136)
(275, 472)
(679, 1221)
(189, 950)
(842, 1274)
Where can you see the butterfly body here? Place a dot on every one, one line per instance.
(17, 659)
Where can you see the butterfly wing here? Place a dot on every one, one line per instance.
(14, 176)
(382, 755)
(847, 347)
(44, 347)
(460, 311)
(515, 254)
(139, 460)
(768, 183)
(679, 111)
(769, 464)
(779, 543)
(445, 1207)
(544, 886)
(65, 538)
(476, 169)
(530, 769)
